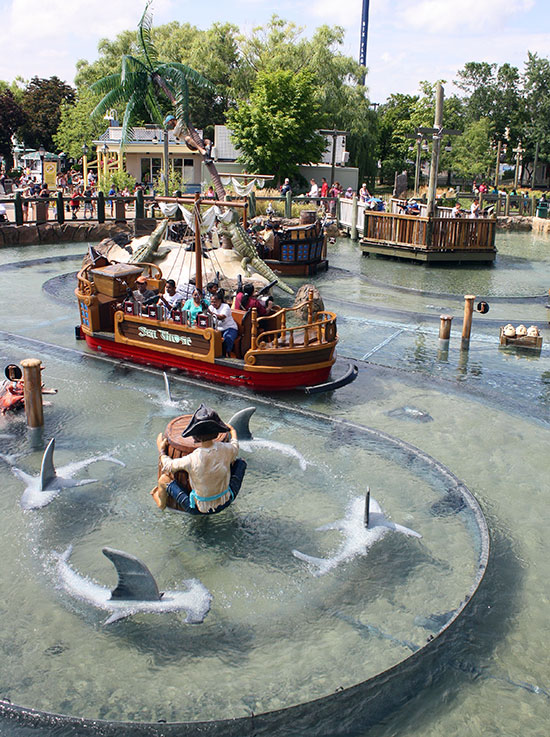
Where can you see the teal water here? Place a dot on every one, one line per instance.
(273, 623)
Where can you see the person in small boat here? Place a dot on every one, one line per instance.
(215, 472)
(141, 294)
(196, 305)
(171, 299)
(224, 321)
(246, 301)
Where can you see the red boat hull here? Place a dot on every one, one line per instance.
(219, 373)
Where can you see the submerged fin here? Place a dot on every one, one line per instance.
(47, 470)
(240, 421)
(135, 580)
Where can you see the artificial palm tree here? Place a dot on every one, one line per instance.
(137, 85)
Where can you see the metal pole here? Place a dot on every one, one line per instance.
(497, 170)
(333, 157)
(535, 164)
(417, 169)
(438, 124)
(85, 169)
(166, 168)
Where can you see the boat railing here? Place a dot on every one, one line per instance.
(319, 331)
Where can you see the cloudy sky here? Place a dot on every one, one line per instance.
(409, 40)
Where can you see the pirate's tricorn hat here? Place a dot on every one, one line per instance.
(204, 422)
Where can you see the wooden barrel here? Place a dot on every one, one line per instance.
(179, 446)
(308, 216)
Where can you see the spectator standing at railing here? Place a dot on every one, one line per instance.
(88, 204)
(475, 211)
(112, 193)
(364, 194)
(334, 192)
(286, 187)
(314, 189)
(324, 187)
(74, 203)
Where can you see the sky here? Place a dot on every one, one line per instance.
(409, 40)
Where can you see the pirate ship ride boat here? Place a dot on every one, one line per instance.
(272, 353)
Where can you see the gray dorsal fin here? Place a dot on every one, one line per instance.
(135, 580)
(47, 470)
(167, 387)
(240, 422)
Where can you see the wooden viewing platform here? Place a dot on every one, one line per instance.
(429, 239)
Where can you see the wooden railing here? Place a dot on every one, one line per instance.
(432, 234)
(313, 331)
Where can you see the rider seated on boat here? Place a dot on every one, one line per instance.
(171, 299)
(141, 294)
(224, 321)
(246, 301)
(215, 472)
(196, 305)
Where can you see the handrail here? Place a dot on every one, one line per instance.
(318, 327)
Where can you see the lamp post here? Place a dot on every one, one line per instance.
(42, 154)
(85, 164)
(105, 150)
(334, 133)
(169, 122)
(519, 151)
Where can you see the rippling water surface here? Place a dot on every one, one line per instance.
(273, 624)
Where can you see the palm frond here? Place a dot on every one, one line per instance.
(106, 84)
(131, 65)
(110, 100)
(171, 69)
(145, 28)
(132, 107)
(151, 104)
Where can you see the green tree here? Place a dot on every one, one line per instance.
(536, 81)
(138, 84)
(276, 129)
(41, 103)
(11, 117)
(76, 126)
(473, 156)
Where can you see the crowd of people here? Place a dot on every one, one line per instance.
(333, 192)
(188, 301)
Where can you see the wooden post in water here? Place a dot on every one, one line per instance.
(445, 327)
(467, 324)
(444, 336)
(507, 204)
(32, 378)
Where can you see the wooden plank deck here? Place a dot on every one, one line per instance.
(429, 239)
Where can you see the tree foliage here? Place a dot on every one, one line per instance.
(41, 103)
(11, 117)
(276, 129)
(76, 126)
(472, 153)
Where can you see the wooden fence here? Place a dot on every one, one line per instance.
(430, 234)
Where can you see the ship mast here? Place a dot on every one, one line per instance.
(198, 244)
